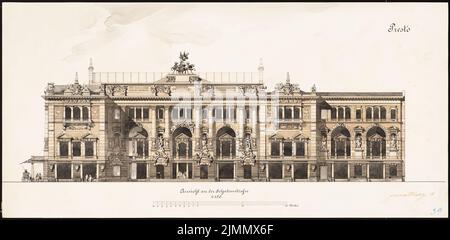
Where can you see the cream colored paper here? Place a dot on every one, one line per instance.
(338, 47)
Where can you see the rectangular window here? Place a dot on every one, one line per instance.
(376, 170)
(340, 170)
(287, 112)
(296, 113)
(300, 151)
(203, 172)
(160, 113)
(392, 170)
(140, 148)
(301, 171)
(141, 170)
(393, 114)
(226, 149)
(146, 113)
(247, 172)
(64, 171)
(358, 113)
(131, 113)
(64, 149)
(275, 170)
(275, 149)
(159, 172)
(138, 113)
(287, 149)
(89, 148)
(76, 149)
(358, 171)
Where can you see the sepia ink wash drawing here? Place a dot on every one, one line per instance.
(184, 125)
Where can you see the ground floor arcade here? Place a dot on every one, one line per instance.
(386, 170)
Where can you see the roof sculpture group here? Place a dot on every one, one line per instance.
(183, 67)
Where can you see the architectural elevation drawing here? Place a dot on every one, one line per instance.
(184, 125)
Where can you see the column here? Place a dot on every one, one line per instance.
(345, 149)
(282, 170)
(89, 113)
(70, 149)
(135, 117)
(306, 149)
(234, 170)
(267, 170)
(97, 170)
(348, 171)
(368, 171)
(384, 170)
(82, 148)
(81, 113)
(332, 171)
(71, 170)
(210, 123)
(176, 174)
(335, 149)
(294, 148)
(167, 122)
(95, 149)
(292, 172)
(148, 170)
(281, 149)
(254, 120)
(81, 172)
(56, 171)
(307, 171)
(71, 113)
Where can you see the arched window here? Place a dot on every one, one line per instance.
(382, 113)
(76, 113)
(393, 114)
(358, 114)
(138, 143)
(67, 113)
(182, 143)
(85, 113)
(340, 142)
(226, 143)
(376, 143)
(369, 113)
(376, 113)
(340, 113)
(347, 113)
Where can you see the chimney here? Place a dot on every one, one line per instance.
(91, 72)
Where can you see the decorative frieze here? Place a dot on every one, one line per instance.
(157, 89)
(116, 90)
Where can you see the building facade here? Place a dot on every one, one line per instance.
(188, 126)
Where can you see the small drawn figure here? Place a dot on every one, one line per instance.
(394, 141)
(358, 141)
(26, 176)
